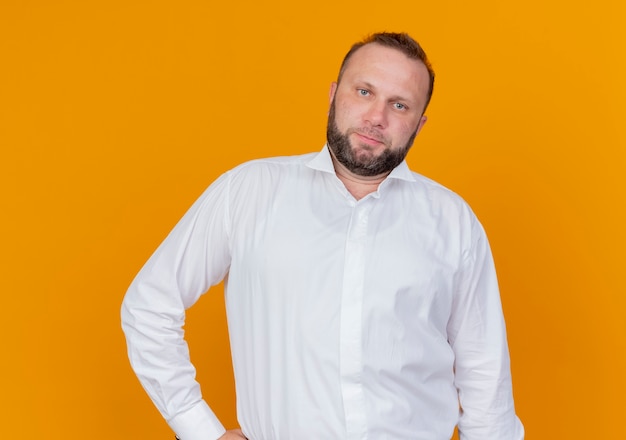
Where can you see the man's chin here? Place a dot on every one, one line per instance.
(364, 159)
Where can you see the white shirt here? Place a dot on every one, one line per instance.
(348, 319)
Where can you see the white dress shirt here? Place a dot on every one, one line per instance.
(371, 319)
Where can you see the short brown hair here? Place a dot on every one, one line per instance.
(400, 41)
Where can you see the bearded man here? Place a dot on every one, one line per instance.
(361, 297)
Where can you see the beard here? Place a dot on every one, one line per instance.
(366, 165)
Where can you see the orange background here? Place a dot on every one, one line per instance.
(114, 116)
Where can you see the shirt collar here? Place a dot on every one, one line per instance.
(323, 162)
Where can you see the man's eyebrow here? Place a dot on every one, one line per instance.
(363, 84)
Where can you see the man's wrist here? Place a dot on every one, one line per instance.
(197, 423)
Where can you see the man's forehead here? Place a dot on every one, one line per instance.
(373, 54)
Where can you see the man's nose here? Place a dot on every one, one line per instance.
(376, 114)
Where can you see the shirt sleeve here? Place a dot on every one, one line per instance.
(193, 257)
(477, 335)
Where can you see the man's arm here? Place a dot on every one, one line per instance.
(477, 335)
(193, 257)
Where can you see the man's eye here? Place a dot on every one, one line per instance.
(399, 106)
(363, 92)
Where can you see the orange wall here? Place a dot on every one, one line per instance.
(114, 116)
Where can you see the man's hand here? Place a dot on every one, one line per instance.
(233, 434)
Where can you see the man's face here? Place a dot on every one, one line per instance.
(376, 109)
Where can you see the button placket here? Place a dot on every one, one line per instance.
(351, 328)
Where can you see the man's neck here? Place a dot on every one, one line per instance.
(358, 186)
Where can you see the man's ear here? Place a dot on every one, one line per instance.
(333, 90)
(423, 120)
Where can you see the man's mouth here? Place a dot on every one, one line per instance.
(369, 139)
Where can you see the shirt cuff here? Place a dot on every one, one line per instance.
(198, 423)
